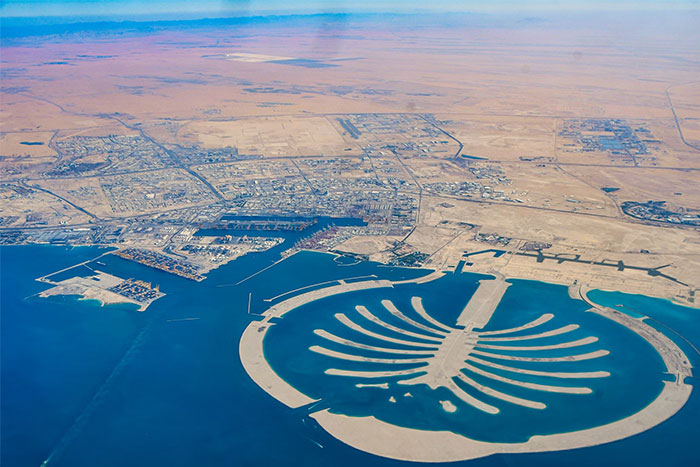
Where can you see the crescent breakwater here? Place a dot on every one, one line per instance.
(381, 438)
(251, 343)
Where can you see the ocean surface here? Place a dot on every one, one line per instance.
(636, 370)
(84, 385)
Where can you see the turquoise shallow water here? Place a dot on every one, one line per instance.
(108, 386)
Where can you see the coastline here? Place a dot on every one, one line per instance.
(380, 438)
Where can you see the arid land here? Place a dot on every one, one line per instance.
(571, 146)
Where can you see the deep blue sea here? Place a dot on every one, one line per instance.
(84, 385)
(636, 370)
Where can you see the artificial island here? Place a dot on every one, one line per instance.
(421, 239)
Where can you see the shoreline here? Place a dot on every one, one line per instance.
(383, 439)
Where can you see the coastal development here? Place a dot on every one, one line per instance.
(106, 289)
(432, 237)
(410, 214)
(441, 355)
(381, 173)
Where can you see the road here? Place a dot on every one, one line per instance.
(678, 124)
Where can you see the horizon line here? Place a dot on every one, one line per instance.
(218, 15)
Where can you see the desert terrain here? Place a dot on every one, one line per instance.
(538, 138)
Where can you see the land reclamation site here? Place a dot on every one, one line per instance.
(446, 350)
(350, 238)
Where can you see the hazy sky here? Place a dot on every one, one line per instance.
(200, 8)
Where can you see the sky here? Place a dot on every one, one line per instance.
(223, 8)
